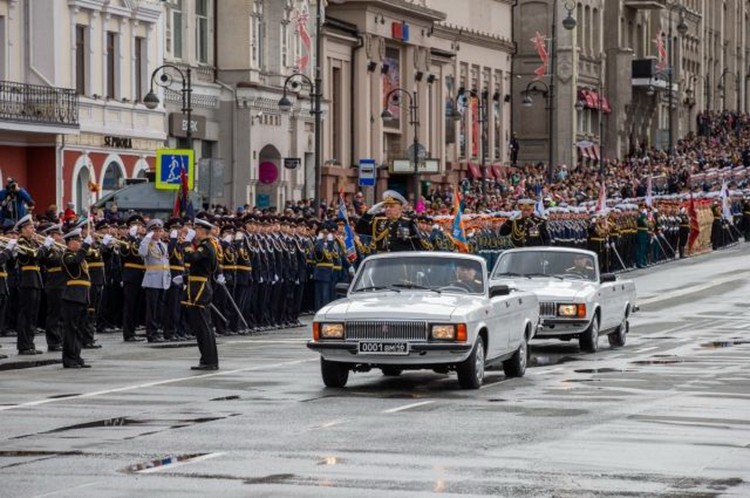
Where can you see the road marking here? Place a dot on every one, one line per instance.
(152, 384)
(691, 290)
(407, 407)
(648, 349)
(329, 424)
(53, 493)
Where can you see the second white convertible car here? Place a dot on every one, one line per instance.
(424, 310)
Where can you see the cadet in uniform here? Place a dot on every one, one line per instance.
(157, 278)
(172, 312)
(527, 229)
(389, 229)
(75, 298)
(199, 290)
(54, 285)
(133, 270)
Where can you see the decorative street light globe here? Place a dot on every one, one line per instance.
(527, 101)
(151, 101)
(285, 105)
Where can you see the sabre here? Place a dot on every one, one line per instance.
(619, 258)
(674, 254)
(234, 305)
(656, 238)
(218, 313)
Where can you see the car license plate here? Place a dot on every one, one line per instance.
(397, 348)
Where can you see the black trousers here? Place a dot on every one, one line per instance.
(241, 294)
(95, 302)
(130, 293)
(28, 309)
(3, 309)
(220, 301)
(172, 311)
(53, 323)
(198, 317)
(153, 310)
(74, 326)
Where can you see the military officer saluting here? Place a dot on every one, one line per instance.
(389, 229)
(199, 290)
(526, 229)
(75, 298)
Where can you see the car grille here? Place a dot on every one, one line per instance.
(547, 309)
(381, 330)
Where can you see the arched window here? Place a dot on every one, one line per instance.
(83, 195)
(112, 178)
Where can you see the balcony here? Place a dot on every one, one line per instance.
(646, 4)
(24, 104)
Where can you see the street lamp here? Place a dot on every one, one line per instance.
(722, 88)
(682, 29)
(165, 80)
(483, 122)
(294, 82)
(393, 98)
(546, 92)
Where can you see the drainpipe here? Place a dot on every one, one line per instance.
(60, 187)
(355, 48)
(512, 58)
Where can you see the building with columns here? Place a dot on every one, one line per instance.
(612, 73)
(73, 75)
(429, 48)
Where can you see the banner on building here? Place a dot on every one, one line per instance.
(391, 80)
(540, 43)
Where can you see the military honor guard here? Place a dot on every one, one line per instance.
(75, 297)
(200, 254)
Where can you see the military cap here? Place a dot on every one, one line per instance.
(136, 218)
(202, 223)
(526, 202)
(101, 224)
(26, 220)
(51, 228)
(393, 197)
(172, 223)
(72, 234)
(154, 224)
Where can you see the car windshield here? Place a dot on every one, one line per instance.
(562, 264)
(433, 274)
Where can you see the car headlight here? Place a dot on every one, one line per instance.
(331, 330)
(572, 310)
(443, 332)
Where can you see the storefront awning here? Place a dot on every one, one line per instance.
(474, 171)
(584, 152)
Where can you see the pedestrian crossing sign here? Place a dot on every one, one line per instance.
(169, 166)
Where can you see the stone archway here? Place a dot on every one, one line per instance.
(269, 177)
(83, 174)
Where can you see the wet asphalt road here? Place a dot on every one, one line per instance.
(667, 416)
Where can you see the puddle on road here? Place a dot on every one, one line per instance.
(227, 398)
(659, 361)
(547, 361)
(174, 345)
(19, 365)
(582, 380)
(270, 479)
(723, 344)
(35, 453)
(60, 396)
(662, 338)
(605, 370)
(168, 461)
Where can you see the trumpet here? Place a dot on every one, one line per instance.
(41, 238)
(121, 242)
(26, 250)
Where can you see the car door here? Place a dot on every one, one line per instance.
(500, 324)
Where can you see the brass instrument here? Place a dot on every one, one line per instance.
(99, 238)
(26, 250)
(58, 245)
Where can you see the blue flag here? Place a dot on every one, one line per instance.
(351, 251)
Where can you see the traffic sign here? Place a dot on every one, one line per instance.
(169, 166)
(292, 162)
(367, 172)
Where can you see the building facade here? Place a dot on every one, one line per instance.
(612, 73)
(428, 48)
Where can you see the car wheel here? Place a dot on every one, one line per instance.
(391, 371)
(619, 336)
(335, 374)
(471, 371)
(589, 340)
(516, 365)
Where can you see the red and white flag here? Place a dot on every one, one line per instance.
(661, 52)
(540, 42)
(301, 17)
(601, 203)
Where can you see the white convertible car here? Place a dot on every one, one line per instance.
(575, 301)
(421, 310)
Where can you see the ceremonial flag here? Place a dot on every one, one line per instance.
(539, 206)
(661, 51)
(458, 233)
(694, 226)
(540, 43)
(601, 203)
(726, 207)
(183, 207)
(351, 250)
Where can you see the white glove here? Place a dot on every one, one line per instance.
(88, 240)
(320, 236)
(173, 234)
(239, 236)
(351, 271)
(221, 280)
(107, 240)
(227, 239)
(275, 278)
(11, 245)
(177, 280)
(149, 235)
(190, 235)
(133, 231)
(376, 209)
(49, 242)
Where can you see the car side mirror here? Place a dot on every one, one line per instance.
(341, 289)
(499, 290)
(607, 277)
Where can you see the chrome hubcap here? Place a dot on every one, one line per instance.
(524, 352)
(479, 361)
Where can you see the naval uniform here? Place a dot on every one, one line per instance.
(30, 292)
(198, 296)
(75, 300)
(389, 235)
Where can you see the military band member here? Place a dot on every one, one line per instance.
(6, 259)
(54, 285)
(133, 270)
(203, 262)
(157, 277)
(95, 265)
(172, 308)
(75, 298)
(30, 253)
(527, 229)
(387, 227)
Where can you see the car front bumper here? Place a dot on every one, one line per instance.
(420, 353)
(555, 327)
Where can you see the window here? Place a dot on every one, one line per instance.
(111, 64)
(81, 59)
(337, 134)
(112, 177)
(140, 68)
(257, 27)
(201, 30)
(174, 29)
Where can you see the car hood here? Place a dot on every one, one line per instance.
(550, 289)
(399, 306)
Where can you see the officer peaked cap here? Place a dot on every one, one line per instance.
(23, 222)
(393, 197)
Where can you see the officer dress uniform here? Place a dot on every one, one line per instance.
(30, 289)
(199, 294)
(156, 279)
(173, 295)
(133, 270)
(387, 234)
(526, 231)
(95, 263)
(75, 301)
(242, 276)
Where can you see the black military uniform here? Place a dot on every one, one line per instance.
(6, 256)
(389, 234)
(75, 300)
(199, 294)
(133, 270)
(54, 285)
(684, 233)
(172, 307)
(746, 219)
(31, 285)
(95, 264)
(526, 231)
